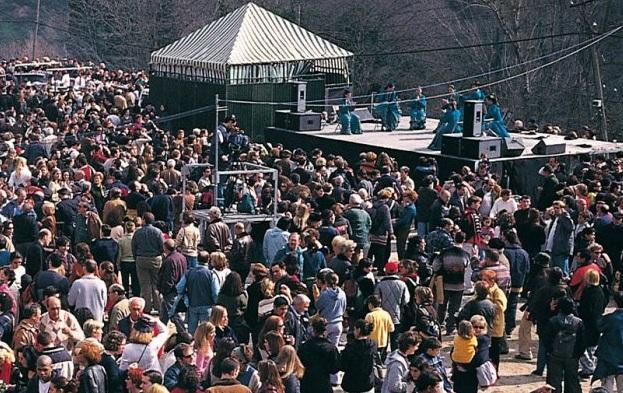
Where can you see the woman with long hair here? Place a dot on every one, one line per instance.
(144, 344)
(273, 323)
(271, 345)
(261, 290)
(220, 319)
(93, 377)
(290, 369)
(55, 183)
(204, 345)
(7, 360)
(21, 175)
(49, 218)
(107, 274)
(299, 221)
(269, 377)
(234, 298)
(220, 266)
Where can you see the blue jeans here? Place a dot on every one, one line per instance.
(196, 315)
(192, 262)
(510, 315)
(422, 228)
(562, 261)
(166, 304)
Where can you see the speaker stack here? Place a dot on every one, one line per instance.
(304, 121)
(472, 118)
(298, 119)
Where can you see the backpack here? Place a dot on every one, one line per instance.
(565, 339)
(351, 288)
(426, 320)
(29, 295)
(246, 202)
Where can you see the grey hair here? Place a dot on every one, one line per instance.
(138, 300)
(214, 212)
(301, 298)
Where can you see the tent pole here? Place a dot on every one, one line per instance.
(216, 153)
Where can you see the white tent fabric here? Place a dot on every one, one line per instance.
(251, 44)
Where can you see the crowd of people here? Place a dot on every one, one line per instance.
(108, 284)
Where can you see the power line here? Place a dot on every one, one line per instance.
(588, 45)
(460, 47)
(487, 73)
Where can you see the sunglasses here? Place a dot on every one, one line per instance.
(479, 327)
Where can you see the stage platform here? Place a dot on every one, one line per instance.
(407, 146)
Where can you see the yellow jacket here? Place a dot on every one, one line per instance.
(382, 326)
(499, 299)
(464, 349)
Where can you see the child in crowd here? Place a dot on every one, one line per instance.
(465, 344)
(430, 352)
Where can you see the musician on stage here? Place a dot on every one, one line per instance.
(497, 119)
(448, 124)
(348, 119)
(418, 111)
(390, 112)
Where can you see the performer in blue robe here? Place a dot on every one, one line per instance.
(390, 112)
(418, 111)
(350, 121)
(448, 124)
(475, 94)
(497, 119)
(457, 97)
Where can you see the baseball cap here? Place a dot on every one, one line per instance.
(391, 267)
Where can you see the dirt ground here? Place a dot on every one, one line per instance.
(515, 374)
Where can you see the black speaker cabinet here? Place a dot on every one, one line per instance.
(451, 144)
(475, 147)
(546, 148)
(512, 147)
(295, 121)
(473, 113)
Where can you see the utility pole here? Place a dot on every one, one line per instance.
(600, 92)
(34, 40)
(588, 17)
(298, 13)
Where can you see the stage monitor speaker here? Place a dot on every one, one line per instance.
(513, 147)
(451, 144)
(297, 95)
(546, 148)
(472, 118)
(301, 96)
(306, 121)
(476, 147)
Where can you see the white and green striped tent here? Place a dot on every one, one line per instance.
(250, 45)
